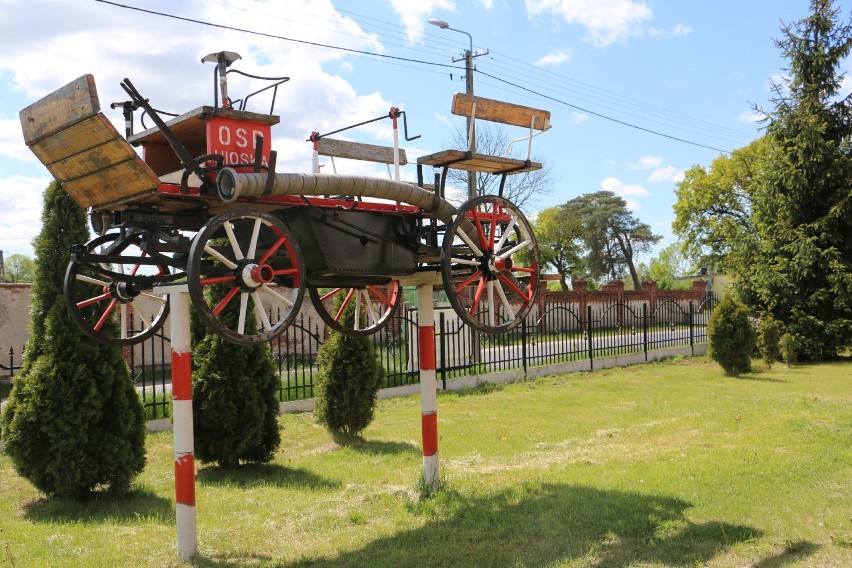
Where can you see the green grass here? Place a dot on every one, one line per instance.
(666, 464)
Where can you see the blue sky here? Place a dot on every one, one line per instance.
(639, 90)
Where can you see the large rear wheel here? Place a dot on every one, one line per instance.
(246, 275)
(490, 264)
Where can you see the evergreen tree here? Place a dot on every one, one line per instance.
(731, 337)
(348, 381)
(799, 269)
(74, 422)
(235, 402)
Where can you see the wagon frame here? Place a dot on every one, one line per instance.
(205, 206)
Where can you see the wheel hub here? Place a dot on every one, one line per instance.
(256, 275)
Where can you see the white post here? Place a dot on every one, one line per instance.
(428, 383)
(184, 447)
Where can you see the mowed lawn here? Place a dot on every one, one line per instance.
(666, 464)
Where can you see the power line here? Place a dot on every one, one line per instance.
(411, 60)
(274, 36)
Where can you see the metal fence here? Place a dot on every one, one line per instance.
(556, 334)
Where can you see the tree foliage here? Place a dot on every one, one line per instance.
(348, 381)
(524, 190)
(731, 336)
(778, 214)
(612, 236)
(19, 268)
(235, 402)
(74, 422)
(668, 266)
(559, 238)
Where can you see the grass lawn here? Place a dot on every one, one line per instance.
(666, 464)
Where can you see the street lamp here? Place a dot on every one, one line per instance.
(468, 66)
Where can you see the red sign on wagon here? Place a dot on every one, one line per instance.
(235, 140)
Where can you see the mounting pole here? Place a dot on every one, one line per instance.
(184, 446)
(428, 383)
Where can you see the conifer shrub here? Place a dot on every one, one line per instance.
(347, 382)
(731, 337)
(235, 402)
(74, 422)
(768, 337)
(789, 349)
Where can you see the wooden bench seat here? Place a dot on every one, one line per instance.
(81, 148)
(334, 148)
(493, 111)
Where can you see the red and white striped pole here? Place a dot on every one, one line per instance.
(428, 384)
(187, 537)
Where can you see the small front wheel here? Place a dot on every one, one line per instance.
(241, 258)
(490, 264)
(109, 289)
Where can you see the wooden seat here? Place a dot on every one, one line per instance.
(494, 111)
(334, 148)
(81, 148)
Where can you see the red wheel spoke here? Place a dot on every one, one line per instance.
(528, 270)
(330, 294)
(511, 284)
(283, 271)
(477, 297)
(226, 300)
(273, 249)
(105, 316)
(95, 300)
(478, 221)
(345, 303)
(493, 232)
(468, 280)
(217, 280)
(381, 296)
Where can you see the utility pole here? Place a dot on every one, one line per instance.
(471, 123)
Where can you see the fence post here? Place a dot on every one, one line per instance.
(691, 331)
(11, 362)
(443, 345)
(524, 344)
(645, 329)
(589, 329)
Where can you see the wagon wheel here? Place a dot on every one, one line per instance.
(489, 264)
(374, 307)
(109, 290)
(241, 257)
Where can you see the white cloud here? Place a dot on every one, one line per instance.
(624, 190)
(553, 58)
(647, 163)
(606, 21)
(12, 142)
(677, 31)
(669, 173)
(21, 198)
(486, 4)
(751, 116)
(578, 117)
(414, 15)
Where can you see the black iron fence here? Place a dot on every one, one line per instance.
(553, 335)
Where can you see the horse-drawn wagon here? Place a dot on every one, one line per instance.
(205, 205)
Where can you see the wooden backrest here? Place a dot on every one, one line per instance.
(82, 149)
(73, 103)
(359, 151)
(499, 111)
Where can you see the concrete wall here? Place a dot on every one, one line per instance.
(14, 318)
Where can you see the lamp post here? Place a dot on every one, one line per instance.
(468, 66)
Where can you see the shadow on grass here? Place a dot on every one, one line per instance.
(132, 506)
(260, 475)
(537, 525)
(793, 552)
